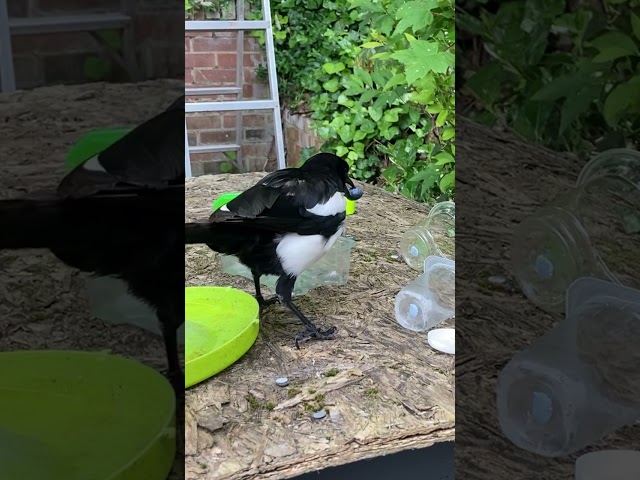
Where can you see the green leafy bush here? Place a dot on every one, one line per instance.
(378, 79)
(207, 9)
(565, 74)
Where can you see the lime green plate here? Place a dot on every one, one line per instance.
(221, 325)
(68, 415)
(93, 143)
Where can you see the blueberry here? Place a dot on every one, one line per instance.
(355, 193)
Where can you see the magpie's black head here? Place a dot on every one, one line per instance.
(329, 163)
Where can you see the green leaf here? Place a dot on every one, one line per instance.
(429, 175)
(415, 15)
(447, 181)
(385, 24)
(577, 104)
(354, 85)
(443, 158)
(381, 56)
(485, 84)
(331, 85)
(390, 173)
(390, 133)
(424, 57)
(346, 133)
(538, 11)
(635, 25)
(341, 150)
(448, 133)
(379, 78)
(576, 22)
(371, 44)
(397, 79)
(363, 76)
(567, 85)
(442, 117)
(333, 67)
(559, 87)
(613, 45)
(469, 23)
(391, 115)
(620, 100)
(368, 95)
(359, 135)
(384, 99)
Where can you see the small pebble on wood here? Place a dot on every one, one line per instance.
(497, 280)
(319, 415)
(282, 381)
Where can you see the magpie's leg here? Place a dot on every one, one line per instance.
(284, 289)
(175, 374)
(261, 301)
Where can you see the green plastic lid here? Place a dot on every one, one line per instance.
(93, 143)
(223, 200)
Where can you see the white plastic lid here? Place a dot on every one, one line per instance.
(443, 340)
(609, 465)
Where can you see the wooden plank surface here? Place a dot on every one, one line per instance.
(385, 389)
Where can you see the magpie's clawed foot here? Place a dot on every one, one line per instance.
(266, 303)
(314, 332)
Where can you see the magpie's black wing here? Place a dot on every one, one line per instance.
(280, 202)
(151, 156)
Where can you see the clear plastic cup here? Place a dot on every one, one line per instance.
(429, 299)
(579, 382)
(589, 230)
(435, 235)
(332, 269)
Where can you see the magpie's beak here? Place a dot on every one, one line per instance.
(351, 191)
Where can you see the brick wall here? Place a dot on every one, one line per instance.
(211, 60)
(61, 57)
(298, 135)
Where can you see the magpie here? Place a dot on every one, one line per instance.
(119, 213)
(282, 225)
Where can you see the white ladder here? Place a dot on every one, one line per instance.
(239, 25)
(91, 23)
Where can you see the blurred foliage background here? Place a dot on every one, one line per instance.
(565, 74)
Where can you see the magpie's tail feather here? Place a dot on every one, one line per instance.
(30, 223)
(223, 238)
(51, 222)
